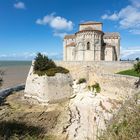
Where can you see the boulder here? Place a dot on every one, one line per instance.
(48, 89)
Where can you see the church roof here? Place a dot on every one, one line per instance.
(111, 34)
(81, 31)
(88, 28)
(90, 23)
(71, 44)
(69, 36)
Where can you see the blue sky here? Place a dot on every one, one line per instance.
(31, 26)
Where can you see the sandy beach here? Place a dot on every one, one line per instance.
(14, 75)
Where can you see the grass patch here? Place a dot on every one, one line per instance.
(130, 72)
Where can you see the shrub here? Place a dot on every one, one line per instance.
(95, 87)
(137, 59)
(43, 63)
(137, 67)
(53, 71)
(45, 66)
(81, 80)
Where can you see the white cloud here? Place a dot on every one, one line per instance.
(20, 5)
(56, 22)
(135, 3)
(135, 31)
(130, 53)
(128, 17)
(111, 17)
(59, 34)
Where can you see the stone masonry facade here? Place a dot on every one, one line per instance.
(90, 43)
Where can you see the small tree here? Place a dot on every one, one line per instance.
(137, 69)
(81, 80)
(43, 63)
(137, 59)
(45, 66)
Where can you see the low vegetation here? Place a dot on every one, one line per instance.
(45, 66)
(15, 130)
(81, 80)
(133, 72)
(96, 87)
(21, 120)
(126, 124)
(130, 72)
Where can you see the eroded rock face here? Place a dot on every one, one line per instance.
(89, 114)
(47, 89)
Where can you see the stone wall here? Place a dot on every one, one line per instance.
(48, 89)
(81, 69)
(121, 86)
(114, 42)
(103, 73)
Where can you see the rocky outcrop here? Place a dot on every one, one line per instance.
(89, 113)
(48, 89)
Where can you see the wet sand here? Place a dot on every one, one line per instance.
(14, 75)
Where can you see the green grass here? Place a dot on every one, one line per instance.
(130, 72)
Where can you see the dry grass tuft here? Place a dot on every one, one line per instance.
(125, 125)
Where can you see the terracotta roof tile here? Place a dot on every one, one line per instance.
(71, 44)
(90, 23)
(88, 28)
(89, 31)
(69, 36)
(113, 34)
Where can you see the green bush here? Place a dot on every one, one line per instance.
(81, 80)
(53, 71)
(45, 66)
(137, 67)
(43, 63)
(95, 87)
(137, 59)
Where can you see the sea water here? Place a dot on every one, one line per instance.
(14, 63)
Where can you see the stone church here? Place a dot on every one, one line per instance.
(90, 43)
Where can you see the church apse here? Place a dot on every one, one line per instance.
(90, 43)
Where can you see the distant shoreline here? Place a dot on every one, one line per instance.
(7, 63)
(15, 72)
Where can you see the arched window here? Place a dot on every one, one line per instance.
(88, 46)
